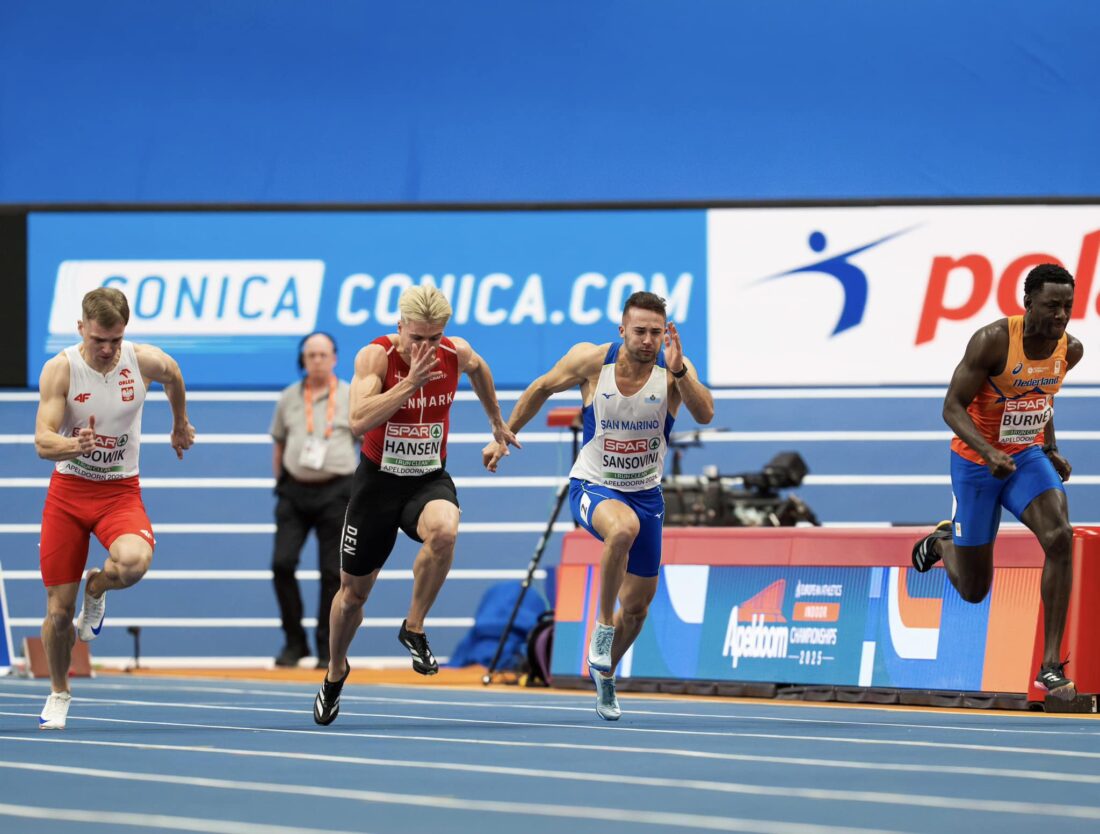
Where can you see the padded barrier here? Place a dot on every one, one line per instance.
(833, 614)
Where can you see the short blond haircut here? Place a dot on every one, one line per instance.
(424, 303)
(106, 306)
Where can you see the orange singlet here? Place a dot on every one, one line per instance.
(1012, 408)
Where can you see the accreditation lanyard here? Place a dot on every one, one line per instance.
(330, 410)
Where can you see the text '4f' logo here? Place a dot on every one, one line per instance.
(82, 398)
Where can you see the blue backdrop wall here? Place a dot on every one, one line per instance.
(486, 100)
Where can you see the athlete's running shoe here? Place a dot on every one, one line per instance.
(607, 705)
(90, 622)
(55, 712)
(417, 644)
(924, 551)
(599, 647)
(1053, 679)
(326, 706)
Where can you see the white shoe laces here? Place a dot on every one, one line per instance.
(603, 638)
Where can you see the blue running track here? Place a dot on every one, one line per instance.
(160, 754)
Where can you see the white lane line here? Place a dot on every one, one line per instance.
(150, 686)
(717, 716)
(517, 482)
(249, 622)
(932, 392)
(269, 529)
(170, 823)
(995, 806)
(630, 750)
(527, 705)
(561, 437)
(588, 727)
(424, 800)
(265, 575)
(478, 482)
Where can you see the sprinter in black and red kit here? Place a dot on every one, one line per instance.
(401, 399)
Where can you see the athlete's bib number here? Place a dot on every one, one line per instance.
(633, 462)
(1024, 419)
(412, 448)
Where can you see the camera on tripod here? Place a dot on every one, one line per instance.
(746, 499)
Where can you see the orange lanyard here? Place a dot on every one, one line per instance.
(330, 411)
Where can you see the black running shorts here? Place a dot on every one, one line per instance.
(380, 505)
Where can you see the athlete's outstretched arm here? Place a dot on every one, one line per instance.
(581, 362)
(370, 405)
(481, 378)
(53, 389)
(158, 366)
(985, 355)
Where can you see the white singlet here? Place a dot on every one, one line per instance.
(115, 399)
(625, 438)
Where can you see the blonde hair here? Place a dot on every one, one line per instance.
(424, 303)
(106, 306)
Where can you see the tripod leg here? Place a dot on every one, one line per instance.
(563, 490)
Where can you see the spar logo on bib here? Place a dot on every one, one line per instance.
(625, 447)
(417, 431)
(1023, 419)
(412, 448)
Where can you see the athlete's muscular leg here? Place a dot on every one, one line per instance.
(618, 525)
(345, 617)
(636, 594)
(970, 569)
(128, 560)
(1047, 516)
(58, 633)
(438, 527)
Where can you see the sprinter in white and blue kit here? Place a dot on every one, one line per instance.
(631, 392)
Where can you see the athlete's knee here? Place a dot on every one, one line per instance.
(59, 620)
(131, 570)
(974, 592)
(623, 531)
(974, 588)
(131, 560)
(636, 610)
(1057, 541)
(440, 537)
(352, 597)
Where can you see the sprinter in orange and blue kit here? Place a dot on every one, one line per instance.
(1000, 404)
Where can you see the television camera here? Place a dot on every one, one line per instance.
(746, 499)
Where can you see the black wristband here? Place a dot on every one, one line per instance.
(679, 375)
(1049, 449)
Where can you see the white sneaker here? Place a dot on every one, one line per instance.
(55, 712)
(90, 621)
(607, 705)
(599, 647)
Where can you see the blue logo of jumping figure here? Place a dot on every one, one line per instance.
(852, 279)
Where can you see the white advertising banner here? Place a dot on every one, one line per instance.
(890, 295)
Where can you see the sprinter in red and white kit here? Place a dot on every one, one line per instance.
(89, 420)
(401, 398)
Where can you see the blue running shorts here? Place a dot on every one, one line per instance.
(978, 496)
(648, 505)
